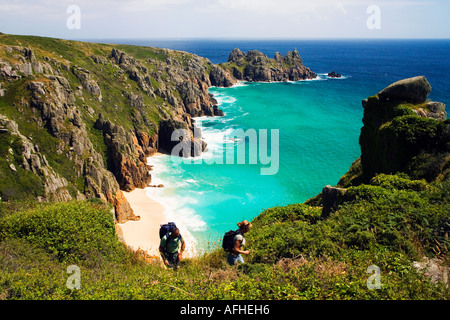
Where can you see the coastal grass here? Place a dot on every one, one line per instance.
(295, 254)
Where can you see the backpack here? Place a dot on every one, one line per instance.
(165, 229)
(228, 240)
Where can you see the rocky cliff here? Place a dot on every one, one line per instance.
(405, 144)
(403, 132)
(84, 117)
(257, 67)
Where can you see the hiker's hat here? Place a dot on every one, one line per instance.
(244, 224)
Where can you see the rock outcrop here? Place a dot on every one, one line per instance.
(413, 90)
(194, 145)
(432, 109)
(403, 132)
(331, 197)
(184, 89)
(257, 67)
(126, 156)
(334, 74)
(55, 186)
(89, 84)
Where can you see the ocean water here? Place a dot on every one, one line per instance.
(318, 123)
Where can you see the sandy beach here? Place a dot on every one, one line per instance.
(144, 234)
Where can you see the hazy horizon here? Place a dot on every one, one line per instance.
(227, 38)
(227, 19)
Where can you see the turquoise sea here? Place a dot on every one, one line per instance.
(318, 140)
(318, 123)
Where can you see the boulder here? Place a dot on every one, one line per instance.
(331, 196)
(334, 74)
(25, 68)
(436, 110)
(412, 90)
(7, 71)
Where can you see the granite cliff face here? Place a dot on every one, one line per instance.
(85, 117)
(257, 67)
(403, 132)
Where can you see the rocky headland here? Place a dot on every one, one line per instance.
(85, 117)
(257, 67)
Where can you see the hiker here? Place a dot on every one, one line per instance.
(234, 256)
(169, 248)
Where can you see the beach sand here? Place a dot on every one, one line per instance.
(144, 234)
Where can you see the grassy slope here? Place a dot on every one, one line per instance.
(115, 106)
(295, 255)
(77, 53)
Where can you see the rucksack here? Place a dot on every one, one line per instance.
(228, 240)
(165, 229)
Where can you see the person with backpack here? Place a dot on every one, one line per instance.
(171, 247)
(234, 241)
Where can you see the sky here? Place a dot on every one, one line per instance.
(274, 19)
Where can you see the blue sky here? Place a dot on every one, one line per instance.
(227, 18)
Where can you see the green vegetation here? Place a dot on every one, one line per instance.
(294, 254)
(19, 183)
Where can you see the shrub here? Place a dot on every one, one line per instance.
(72, 231)
(398, 182)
